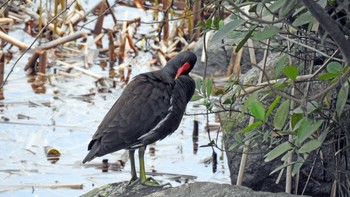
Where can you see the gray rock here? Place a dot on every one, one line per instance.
(202, 189)
(219, 55)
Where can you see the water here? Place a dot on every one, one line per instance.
(61, 119)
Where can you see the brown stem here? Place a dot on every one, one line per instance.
(62, 40)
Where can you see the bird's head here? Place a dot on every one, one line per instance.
(181, 64)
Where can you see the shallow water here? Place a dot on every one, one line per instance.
(62, 120)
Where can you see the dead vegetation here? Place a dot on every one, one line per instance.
(65, 46)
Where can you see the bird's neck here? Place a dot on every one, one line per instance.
(171, 70)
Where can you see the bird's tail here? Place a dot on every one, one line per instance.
(93, 151)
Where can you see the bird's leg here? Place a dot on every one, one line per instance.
(132, 164)
(144, 180)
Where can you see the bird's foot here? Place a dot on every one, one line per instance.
(151, 182)
(133, 181)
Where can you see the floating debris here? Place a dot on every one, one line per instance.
(52, 154)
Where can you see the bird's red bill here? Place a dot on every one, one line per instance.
(183, 69)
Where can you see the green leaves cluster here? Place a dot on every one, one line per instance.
(291, 132)
(211, 24)
(305, 131)
(203, 91)
(334, 73)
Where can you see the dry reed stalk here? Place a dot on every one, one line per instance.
(2, 70)
(9, 21)
(100, 18)
(31, 64)
(131, 43)
(234, 67)
(72, 19)
(56, 186)
(112, 57)
(68, 75)
(161, 57)
(166, 22)
(13, 41)
(197, 17)
(122, 39)
(139, 4)
(82, 70)
(42, 65)
(63, 40)
(36, 17)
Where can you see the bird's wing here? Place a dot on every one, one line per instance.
(181, 94)
(142, 105)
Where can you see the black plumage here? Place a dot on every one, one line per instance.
(149, 109)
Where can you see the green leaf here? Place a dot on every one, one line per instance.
(207, 103)
(310, 107)
(286, 156)
(280, 84)
(198, 84)
(310, 146)
(281, 115)
(341, 99)
(201, 24)
(227, 101)
(251, 127)
(249, 100)
(277, 151)
(323, 136)
(217, 22)
(196, 97)
(272, 106)
(266, 33)
(257, 110)
(322, 3)
(274, 7)
(291, 72)
(327, 76)
(334, 67)
(297, 165)
(287, 7)
(226, 29)
(281, 167)
(209, 86)
(303, 19)
(219, 92)
(246, 37)
(280, 64)
(307, 128)
(209, 22)
(295, 119)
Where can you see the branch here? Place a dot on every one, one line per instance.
(331, 27)
(309, 47)
(236, 7)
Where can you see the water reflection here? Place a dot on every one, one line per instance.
(195, 137)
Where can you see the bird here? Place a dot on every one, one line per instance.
(149, 109)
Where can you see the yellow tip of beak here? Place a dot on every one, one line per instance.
(177, 76)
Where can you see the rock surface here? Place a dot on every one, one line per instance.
(219, 56)
(202, 189)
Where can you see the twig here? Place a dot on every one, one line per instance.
(311, 48)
